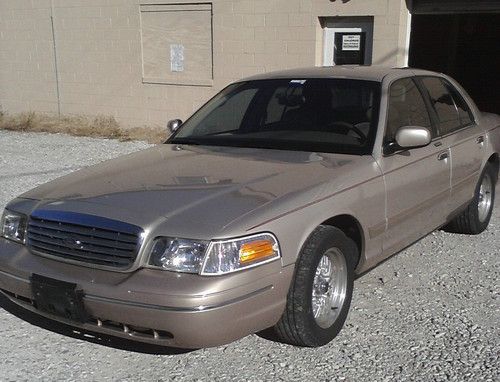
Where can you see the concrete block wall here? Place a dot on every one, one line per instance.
(99, 59)
(27, 75)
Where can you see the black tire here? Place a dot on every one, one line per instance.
(469, 221)
(297, 325)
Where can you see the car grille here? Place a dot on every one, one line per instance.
(83, 238)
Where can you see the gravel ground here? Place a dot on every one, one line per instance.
(430, 313)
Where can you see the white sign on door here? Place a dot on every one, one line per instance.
(177, 58)
(351, 42)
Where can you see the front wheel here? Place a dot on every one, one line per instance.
(320, 295)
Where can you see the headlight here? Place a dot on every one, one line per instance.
(215, 257)
(13, 226)
(179, 255)
(227, 256)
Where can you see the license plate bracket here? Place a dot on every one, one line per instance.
(59, 298)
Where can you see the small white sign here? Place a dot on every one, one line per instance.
(351, 42)
(176, 57)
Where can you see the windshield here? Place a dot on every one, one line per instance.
(321, 115)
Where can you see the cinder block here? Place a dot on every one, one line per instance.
(243, 6)
(300, 47)
(277, 19)
(78, 11)
(300, 19)
(232, 47)
(267, 33)
(385, 52)
(263, 6)
(232, 21)
(350, 8)
(243, 59)
(287, 6)
(223, 6)
(385, 31)
(305, 6)
(119, 22)
(275, 47)
(102, 23)
(243, 34)
(254, 20)
(248, 71)
(254, 46)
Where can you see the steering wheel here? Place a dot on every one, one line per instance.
(349, 127)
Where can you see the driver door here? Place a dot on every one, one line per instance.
(417, 180)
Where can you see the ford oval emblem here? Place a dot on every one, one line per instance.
(73, 243)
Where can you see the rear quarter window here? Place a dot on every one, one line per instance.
(464, 111)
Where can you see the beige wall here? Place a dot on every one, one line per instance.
(99, 51)
(27, 78)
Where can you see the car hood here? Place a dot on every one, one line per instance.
(191, 185)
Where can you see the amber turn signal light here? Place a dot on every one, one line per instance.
(256, 250)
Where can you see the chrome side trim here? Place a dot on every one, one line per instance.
(200, 308)
(428, 203)
(377, 229)
(472, 178)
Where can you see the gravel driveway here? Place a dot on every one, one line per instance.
(430, 313)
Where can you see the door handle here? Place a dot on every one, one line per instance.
(480, 140)
(443, 155)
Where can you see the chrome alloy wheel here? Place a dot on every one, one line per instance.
(329, 288)
(484, 199)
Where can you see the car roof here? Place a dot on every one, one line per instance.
(371, 73)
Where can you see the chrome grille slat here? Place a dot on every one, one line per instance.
(85, 257)
(84, 247)
(85, 239)
(84, 231)
(69, 240)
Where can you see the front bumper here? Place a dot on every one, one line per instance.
(154, 306)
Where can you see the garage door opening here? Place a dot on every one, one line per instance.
(464, 46)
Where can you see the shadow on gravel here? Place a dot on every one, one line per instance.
(96, 338)
(270, 335)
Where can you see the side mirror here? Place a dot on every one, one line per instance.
(413, 136)
(409, 137)
(174, 125)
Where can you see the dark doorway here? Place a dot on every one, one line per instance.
(349, 48)
(464, 46)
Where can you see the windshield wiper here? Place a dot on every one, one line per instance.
(186, 141)
(222, 132)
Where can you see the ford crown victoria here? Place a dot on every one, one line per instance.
(259, 210)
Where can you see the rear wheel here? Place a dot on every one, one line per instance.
(476, 217)
(320, 295)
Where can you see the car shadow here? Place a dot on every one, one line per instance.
(269, 334)
(85, 335)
